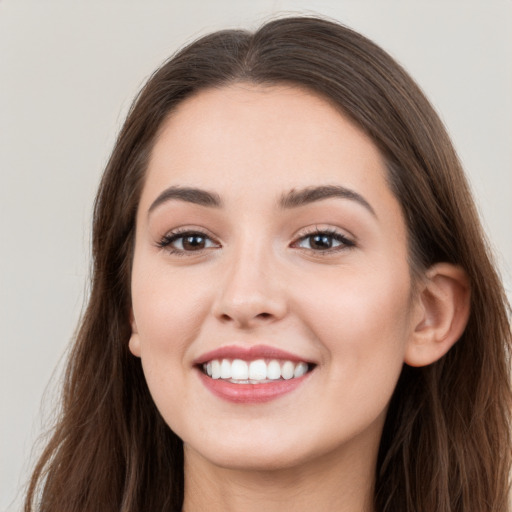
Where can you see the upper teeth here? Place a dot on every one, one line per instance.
(254, 371)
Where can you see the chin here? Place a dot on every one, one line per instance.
(255, 462)
(252, 453)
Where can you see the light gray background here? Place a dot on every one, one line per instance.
(68, 72)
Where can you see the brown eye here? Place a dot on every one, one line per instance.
(189, 241)
(321, 242)
(193, 242)
(324, 241)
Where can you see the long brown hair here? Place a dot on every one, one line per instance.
(446, 444)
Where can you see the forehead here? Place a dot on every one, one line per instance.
(245, 137)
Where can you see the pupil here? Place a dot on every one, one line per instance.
(193, 242)
(321, 242)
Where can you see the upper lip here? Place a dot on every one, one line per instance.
(248, 353)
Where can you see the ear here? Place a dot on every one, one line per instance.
(443, 312)
(134, 343)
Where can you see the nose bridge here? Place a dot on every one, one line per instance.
(251, 291)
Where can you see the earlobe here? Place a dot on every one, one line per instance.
(134, 343)
(444, 306)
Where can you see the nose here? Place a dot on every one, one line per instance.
(252, 292)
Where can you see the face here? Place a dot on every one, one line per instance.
(271, 290)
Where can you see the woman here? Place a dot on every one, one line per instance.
(293, 304)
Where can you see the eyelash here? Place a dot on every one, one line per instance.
(345, 243)
(173, 236)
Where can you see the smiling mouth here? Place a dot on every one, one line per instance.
(258, 371)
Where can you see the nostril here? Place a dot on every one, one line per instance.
(225, 317)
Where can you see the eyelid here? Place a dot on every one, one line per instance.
(176, 233)
(325, 228)
(346, 241)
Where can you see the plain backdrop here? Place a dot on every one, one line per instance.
(68, 72)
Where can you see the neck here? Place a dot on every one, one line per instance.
(341, 482)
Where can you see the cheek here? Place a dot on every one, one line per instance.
(362, 321)
(366, 339)
(168, 309)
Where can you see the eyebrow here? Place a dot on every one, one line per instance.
(292, 199)
(189, 195)
(297, 198)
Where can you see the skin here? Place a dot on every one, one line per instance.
(258, 280)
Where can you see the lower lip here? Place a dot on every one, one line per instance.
(251, 393)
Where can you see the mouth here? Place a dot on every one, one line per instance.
(252, 374)
(257, 371)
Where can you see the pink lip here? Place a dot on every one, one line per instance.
(250, 393)
(248, 354)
